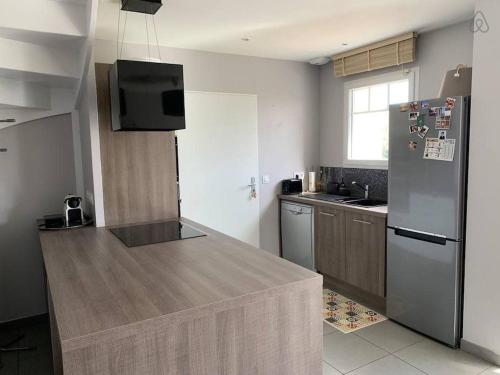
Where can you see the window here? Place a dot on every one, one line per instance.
(367, 112)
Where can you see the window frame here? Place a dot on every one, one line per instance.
(412, 76)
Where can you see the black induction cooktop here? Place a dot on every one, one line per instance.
(146, 234)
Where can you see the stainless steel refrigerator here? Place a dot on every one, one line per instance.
(426, 221)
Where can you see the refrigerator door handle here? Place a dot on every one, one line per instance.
(421, 236)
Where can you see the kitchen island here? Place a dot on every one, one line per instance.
(207, 305)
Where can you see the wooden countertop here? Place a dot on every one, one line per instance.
(97, 283)
(380, 211)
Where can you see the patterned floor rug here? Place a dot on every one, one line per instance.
(347, 315)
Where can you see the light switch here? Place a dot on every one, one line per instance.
(266, 179)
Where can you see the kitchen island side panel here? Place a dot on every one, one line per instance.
(272, 332)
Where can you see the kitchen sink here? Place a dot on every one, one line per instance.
(328, 197)
(367, 202)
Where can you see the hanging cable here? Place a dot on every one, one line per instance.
(123, 36)
(156, 37)
(118, 32)
(147, 35)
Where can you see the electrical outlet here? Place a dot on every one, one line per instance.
(266, 179)
(300, 174)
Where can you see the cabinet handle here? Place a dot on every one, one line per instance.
(327, 214)
(295, 212)
(362, 222)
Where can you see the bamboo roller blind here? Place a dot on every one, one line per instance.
(390, 52)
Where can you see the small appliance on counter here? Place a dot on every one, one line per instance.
(72, 216)
(332, 187)
(312, 182)
(337, 188)
(343, 190)
(291, 186)
(73, 212)
(54, 221)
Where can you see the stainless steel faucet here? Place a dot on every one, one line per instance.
(366, 188)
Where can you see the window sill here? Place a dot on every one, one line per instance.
(366, 164)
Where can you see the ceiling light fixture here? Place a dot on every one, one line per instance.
(8, 120)
(320, 61)
(245, 39)
(344, 44)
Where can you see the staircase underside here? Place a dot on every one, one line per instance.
(43, 48)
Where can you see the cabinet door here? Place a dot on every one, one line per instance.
(365, 252)
(330, 242)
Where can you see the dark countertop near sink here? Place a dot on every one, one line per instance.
(380, 211)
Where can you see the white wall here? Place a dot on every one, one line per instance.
(482, 258)
(37, 172)
(288, 108)
(437, 52)
(90, 151)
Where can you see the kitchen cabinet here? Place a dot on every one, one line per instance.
(350, 248)
(365, 252)
(330, 242)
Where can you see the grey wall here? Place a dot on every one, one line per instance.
(288, 111)
(437, 52)
(482, 254)
(36, 173)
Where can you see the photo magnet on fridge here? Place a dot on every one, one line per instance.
(414, 106)
(433, 111)
(442, 135)
(422, 131)
(403, 107)
(412, 145)
(421, 120)
(413, 129)
(443, 122)
(450, 103)
(412, 116)
(425, 105)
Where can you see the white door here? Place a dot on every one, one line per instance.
(218, 158)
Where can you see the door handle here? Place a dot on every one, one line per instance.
(252, 182)
(421, 236)
(295, 212)
(253, 190)
(362, 222)
(327, 214)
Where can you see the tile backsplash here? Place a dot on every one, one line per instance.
(377, 179)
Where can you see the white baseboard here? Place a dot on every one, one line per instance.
(480, 352)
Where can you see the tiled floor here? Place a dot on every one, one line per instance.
(37, 362)
(387, 348)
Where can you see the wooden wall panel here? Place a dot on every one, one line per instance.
(139, 174)
(279, 333)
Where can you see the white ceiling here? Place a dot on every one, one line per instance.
(284, 29)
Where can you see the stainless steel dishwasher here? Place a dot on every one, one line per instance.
(297, 233)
